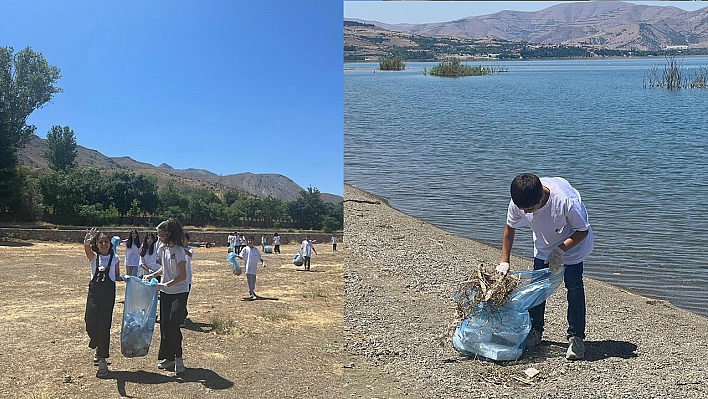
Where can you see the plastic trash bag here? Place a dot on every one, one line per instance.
(231, 248)
(298, 260)
(235, 267)
(115, 241)
(500, 333)
(268, 249)
(139, 313)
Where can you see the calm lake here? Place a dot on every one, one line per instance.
(446, 149)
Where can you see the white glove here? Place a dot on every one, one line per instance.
(159, 286)
(503, 268)
(555, 259)
(147, 278)
(90, 235)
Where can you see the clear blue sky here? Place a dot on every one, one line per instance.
(222, 85)
(416, 12)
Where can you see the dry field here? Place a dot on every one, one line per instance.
(287, 345)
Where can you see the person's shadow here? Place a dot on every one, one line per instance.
(594, 350)
(206, 377)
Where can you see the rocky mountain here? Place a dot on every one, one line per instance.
(261, 185)
(609, 24)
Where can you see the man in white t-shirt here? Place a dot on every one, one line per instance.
(306, 249)
(250, 257)
(334, 242)
(562, 236)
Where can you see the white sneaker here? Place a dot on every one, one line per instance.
(95, 358)
(166, 365)
(102, 368)
(179, 365)
(576, 349)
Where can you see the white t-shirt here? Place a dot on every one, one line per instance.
(103, 261)
(264, 240)
(562, 215)
(132, 254)
(189, 264)
(250, 256)
(276, 240)
(170, 258)
(334, 239)
(150, 260)
(306, 248)
(243, 240)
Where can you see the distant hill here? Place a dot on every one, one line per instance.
(261, 185)
(612, 25)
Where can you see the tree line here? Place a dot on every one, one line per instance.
(88, 196)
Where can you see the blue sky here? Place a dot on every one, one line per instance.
(227, 86)
(441, 11)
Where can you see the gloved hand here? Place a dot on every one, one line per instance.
(503, 268)
(159, 286)
(147, 278)
(90, 235)
(555, 259)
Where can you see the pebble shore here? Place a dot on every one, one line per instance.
(400, 274)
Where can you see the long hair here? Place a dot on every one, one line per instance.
(132, 241)
(148, 248)
(173, 232)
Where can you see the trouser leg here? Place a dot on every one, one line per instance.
(251, 279)
(537, 312)
(172, 307)
(576, 300)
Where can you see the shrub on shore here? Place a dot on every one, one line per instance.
(454, 68)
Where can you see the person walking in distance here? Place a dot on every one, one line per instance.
(562, 235)
(334, 243)
(306, 249)
(276, 243)
(250, 257)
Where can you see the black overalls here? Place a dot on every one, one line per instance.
(99, 308)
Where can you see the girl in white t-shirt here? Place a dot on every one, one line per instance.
(148, 255)
(105, 271)
(132, 253)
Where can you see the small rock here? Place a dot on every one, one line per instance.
(67, 379)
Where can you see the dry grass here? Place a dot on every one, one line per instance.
(484, 285)
(287, 345)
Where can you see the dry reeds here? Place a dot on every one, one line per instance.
(484, 286)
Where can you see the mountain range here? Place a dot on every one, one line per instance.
(260, 185)
(609, 24)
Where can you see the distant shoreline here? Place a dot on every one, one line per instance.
(536, 59)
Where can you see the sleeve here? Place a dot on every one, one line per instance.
(180, 256)
(577, 217)
(514, 218)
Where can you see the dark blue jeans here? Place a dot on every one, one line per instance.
(573, 278)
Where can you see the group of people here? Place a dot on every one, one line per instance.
(165, 256)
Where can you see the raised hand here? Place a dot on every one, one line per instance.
(90, 235)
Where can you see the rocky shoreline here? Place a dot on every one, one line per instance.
(399, 277)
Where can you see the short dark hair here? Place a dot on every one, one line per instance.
(526, 190)
(250, 238)
(186, 235)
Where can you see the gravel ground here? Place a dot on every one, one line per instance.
(399, 277)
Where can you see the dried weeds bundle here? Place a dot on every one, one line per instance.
(484, 286)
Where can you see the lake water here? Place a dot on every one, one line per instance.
(446, 149)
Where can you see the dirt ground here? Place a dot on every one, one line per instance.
(287, 345)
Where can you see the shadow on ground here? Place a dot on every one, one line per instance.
(206, 377)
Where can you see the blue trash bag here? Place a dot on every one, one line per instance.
(115, 241)
(298, 259)
(139, 313)
(268, 249)
(231, 248)
(235, 267)
(499, 333)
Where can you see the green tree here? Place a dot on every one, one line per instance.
(308, 209)
(26, 84)
(61, 151)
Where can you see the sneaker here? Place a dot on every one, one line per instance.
(576, 349)
(95, 358)
(533, 340)
(102, 368)
(166, 365)
(179, 365)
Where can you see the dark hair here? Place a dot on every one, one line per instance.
(144, 249)
(173, 232)
(130, 241)
(186, 235)
(94, 246)
(526, 190)
(250, 238)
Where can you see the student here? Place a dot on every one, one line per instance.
(250, 257)
(264, 242)
(188, 251)
(334, 243)
(173, 294)
(148, 255)
(243, 243)
(276, 243)
(307, 248)
(105, 271)
(552, 208)
(132, 253)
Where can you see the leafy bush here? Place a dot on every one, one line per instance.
(392, 65)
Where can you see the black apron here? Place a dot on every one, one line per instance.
(99, 308)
